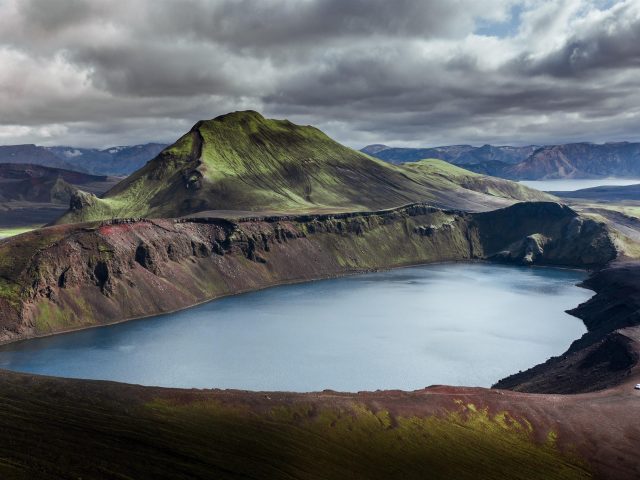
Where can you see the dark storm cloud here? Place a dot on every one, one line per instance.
(611, 43)
(407, 71)
(54, 15)
(264, 23)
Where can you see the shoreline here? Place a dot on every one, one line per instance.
(4, 343)
(7, 345)
(138, 269)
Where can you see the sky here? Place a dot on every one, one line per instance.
(404, 72)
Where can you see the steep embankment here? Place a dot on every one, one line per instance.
(67, 277)
(243, 161)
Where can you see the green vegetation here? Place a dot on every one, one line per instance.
(448, 177)
(107, 430)
(13, 231)
(242, 161)
(15, 255)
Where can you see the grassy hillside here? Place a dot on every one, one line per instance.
(60, 428)
(450, 177)
(242, 161)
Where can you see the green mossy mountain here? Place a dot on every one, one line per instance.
(244, 162)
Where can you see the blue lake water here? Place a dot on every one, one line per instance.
(457, 324)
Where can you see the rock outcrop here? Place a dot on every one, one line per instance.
(544, 233)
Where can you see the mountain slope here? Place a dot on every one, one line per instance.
(244, 162)
(32, 195)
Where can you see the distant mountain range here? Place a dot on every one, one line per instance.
(117, 161)
(574, 160)
(456, 154)
(36, 183)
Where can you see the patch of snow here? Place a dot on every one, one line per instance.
(72, 153)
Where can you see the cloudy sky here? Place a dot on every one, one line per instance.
(402, 72)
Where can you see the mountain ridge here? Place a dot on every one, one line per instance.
(456, 154)
(36, 183)
(115, 161)
(572, 160)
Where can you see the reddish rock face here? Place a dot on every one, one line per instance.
(70, 277)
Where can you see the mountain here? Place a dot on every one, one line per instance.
(35, 183)
(33, 195)
(122, 160)
(574, 160)
(456, 154)
(31, 154)
(495, 168)
(373, 149)
(244, 162)
(119, 161)
(580, 160)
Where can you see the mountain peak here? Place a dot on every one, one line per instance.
(242, 161)
(240, 115)
(375, 148)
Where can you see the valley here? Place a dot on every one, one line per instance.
(229, 208)
(204, 274)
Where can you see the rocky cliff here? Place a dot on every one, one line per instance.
(74, 276)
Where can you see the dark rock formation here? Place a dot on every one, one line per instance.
(80, 200)
(544, 232)
(604, 356)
